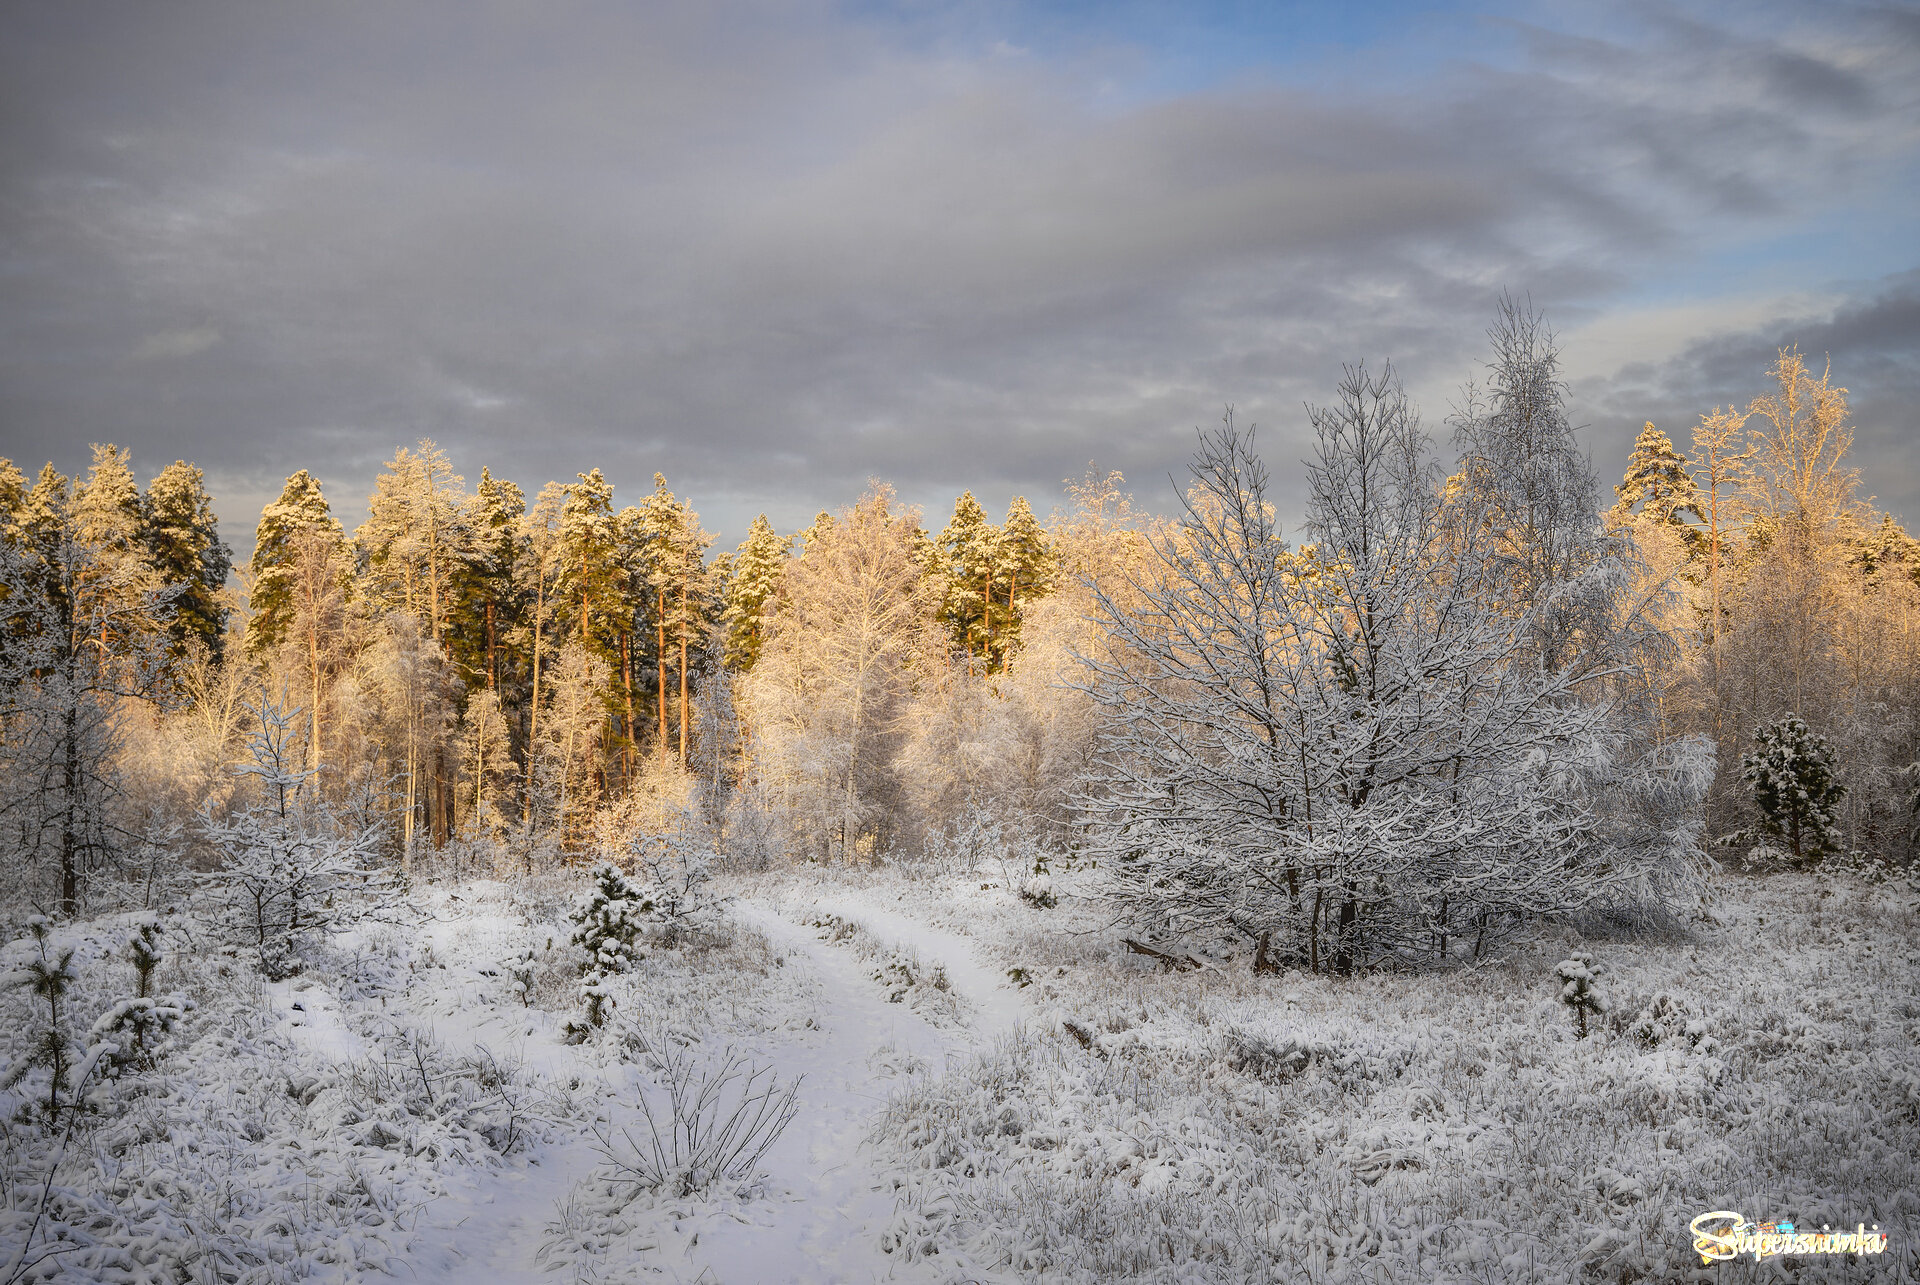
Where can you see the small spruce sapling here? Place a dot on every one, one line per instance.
(48, 973)
(1580, 989)
(144, 951)
(520, 967)
(608, 921)
(1791, 776)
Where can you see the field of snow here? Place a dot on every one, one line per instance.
(984, 1090)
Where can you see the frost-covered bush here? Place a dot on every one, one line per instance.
(674, 874)
(716, 1124)
(288, 867)
(1384, 744)
(1790, 774)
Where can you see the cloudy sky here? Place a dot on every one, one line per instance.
(772, 250)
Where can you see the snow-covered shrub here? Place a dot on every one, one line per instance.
(674, 869)
(716, 1124)
(1265, 1058)
(287, 868)
(414, 1096)
(1579, 978)
(1668, 1020)
(133, 1033)
(1790, 774)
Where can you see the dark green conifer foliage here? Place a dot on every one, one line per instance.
(301, 510)
(182, 539)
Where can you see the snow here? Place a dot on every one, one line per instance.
(399, 1109)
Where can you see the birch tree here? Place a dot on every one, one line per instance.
(1352, 747)
(828, 701)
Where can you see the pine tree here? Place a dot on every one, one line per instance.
(486, 596)
(13, 490)
(539, 575)
(1658, 480)
(1024, 562)
(182, 540)
(107, 519)
(675, 557)
(1791, 775)
(968, 546)
(300, 512)
(413, 539)
(756, 571)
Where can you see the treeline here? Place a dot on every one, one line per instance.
(468, 665)
(1795, 598)
(483, 681)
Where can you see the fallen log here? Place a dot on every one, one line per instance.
(1178, 963)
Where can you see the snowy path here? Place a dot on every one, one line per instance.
(825, 1206)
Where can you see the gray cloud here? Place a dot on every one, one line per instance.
(772, 251)
(1872, 342)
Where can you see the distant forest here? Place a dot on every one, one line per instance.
(1713, 657)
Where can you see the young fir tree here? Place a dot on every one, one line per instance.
(1791, 776)
(183, 543)
(757, 567)
(1658, 482)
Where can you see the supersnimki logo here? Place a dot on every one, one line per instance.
(1724, 1234)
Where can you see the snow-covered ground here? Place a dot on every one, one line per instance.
(987, 1090)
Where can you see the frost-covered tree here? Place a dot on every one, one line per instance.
(288, 867)
(968, 546)
(77, 619)
(1354, 747)
(1658, 481)
(182, 540)
(757, 566)
(1790, 773)
(828, 703)
(487, 763)
(301, 511)
(1025, 567)
(487, 601)
(414, 539)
